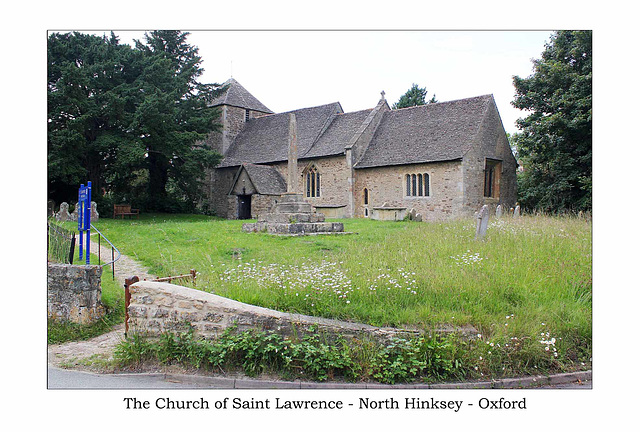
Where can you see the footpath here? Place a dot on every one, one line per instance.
(83, 364)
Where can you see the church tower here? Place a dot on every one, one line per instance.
(237, 106)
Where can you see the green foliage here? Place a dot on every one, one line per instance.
(311, 357)
(432, 357)
(555, 144)
(534, 269)
(128, 119)
(415, 96)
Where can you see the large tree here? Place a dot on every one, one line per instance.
(415, 96)
(172, 117)
(87, 110)
(554, 144)
(128, 119)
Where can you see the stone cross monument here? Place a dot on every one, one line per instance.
(292, 214)
(292, 164)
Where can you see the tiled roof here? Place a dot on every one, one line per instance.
(266, 139)
(427, 133)
(337, 136)
(238, 96)
(266, 179)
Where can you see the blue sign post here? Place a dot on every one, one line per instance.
(84, 218)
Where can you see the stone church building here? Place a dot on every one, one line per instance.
(442, 160)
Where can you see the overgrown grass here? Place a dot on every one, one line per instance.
(526, 284)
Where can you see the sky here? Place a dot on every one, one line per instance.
(288, 70)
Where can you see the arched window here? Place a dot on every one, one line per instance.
(313, 182)
(426, 184)
(366, 196)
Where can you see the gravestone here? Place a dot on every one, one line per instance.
(516, 211)
(482, 222)
(63, 214)
(417, 217)
(499, 211)
(74, 215)
(51, 208)
(94, 211)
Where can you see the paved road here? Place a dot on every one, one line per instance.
(71, 379)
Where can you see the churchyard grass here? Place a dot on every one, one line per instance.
(525, 287)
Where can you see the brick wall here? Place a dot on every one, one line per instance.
(74, 293)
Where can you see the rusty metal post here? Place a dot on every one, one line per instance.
(127, 301)
(193, 274)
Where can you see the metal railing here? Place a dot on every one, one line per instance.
(114, 250)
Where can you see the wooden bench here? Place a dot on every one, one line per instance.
(123, 210)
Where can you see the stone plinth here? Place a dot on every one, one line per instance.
(293, 215)
(74, 293)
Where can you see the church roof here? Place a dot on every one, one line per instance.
(427, 133)
(266, 139)
(337, 136)
(266, 179)
(238, 96)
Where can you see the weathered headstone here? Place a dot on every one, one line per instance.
(499, 211)
(94, 211)
(417, 217)
(516, 211)
(74, 215)
(63, 214)
(482, 222)
(51, 208)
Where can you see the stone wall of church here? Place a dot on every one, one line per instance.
(493, 144)
(219, 184)
(388, 185)
(334, 176)
(218, 181)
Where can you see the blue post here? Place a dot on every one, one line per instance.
(84, 220)
(80, 212)
(87, 218)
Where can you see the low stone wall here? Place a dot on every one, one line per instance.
(74, 293)
(158, 307)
